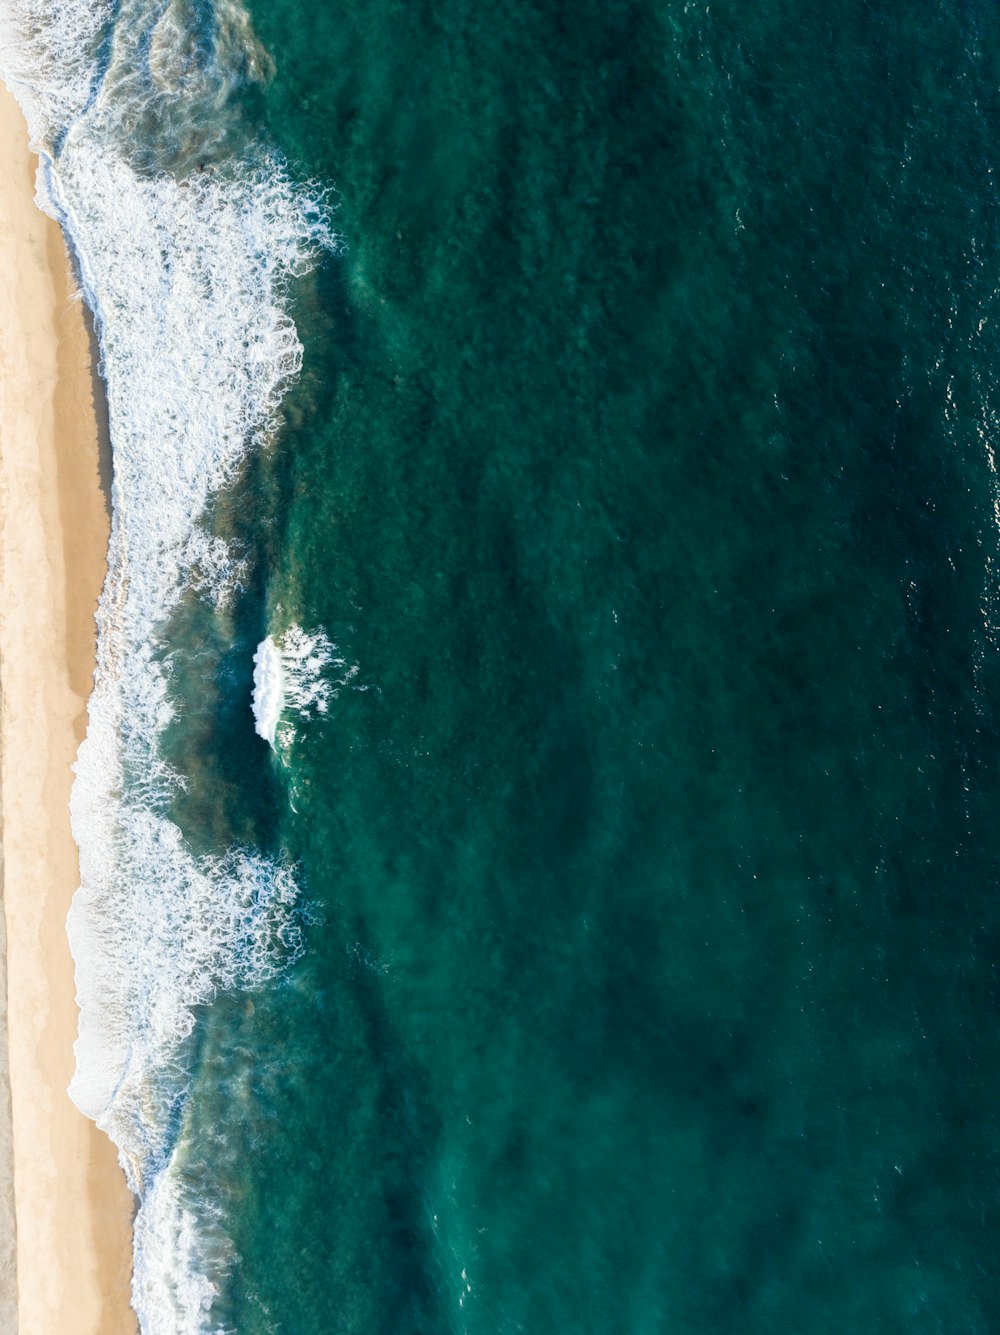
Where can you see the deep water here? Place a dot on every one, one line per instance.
(642, 461)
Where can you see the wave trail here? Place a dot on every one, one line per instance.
(187, 273)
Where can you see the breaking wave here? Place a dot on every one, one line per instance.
(294, 675)
(186, 236)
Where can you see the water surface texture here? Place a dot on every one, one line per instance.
(620, 953)
(643, 463)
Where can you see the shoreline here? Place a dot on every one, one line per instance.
(73, 1209)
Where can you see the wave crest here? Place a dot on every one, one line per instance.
(295, 675)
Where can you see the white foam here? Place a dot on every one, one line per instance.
(47, 56)
(268, 689)
(187, 277)
(306, 661)
(175, 1238)
(296, 674)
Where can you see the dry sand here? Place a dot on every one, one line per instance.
(73, 1210)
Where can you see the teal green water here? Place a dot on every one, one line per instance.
(642, 464)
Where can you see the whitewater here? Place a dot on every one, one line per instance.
(186, 234)
(294, 677)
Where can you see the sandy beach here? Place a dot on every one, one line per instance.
(73, 1210)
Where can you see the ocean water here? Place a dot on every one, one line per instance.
(538, 817)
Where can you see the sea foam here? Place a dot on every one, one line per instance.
(185, 254)
(268, 689)
(295, 675)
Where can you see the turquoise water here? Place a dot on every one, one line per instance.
(642, 463)
(641, 474)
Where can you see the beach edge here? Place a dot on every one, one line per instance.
(73, 1209)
